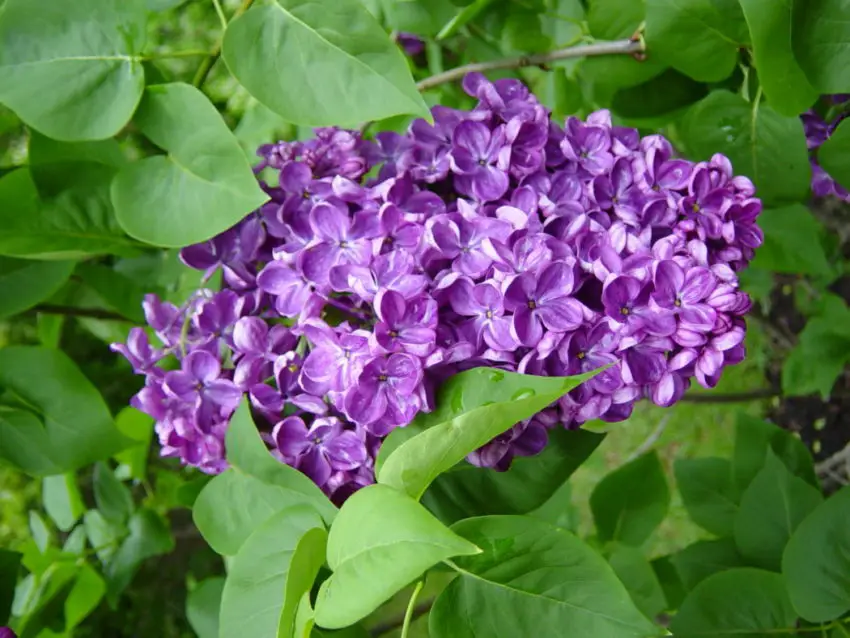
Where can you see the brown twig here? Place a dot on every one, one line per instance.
(71, 311)
(617, 47)
(206, 66)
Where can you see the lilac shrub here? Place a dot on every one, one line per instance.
(492, 237)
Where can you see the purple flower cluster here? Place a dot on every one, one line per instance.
(818, 131)
(492, 237)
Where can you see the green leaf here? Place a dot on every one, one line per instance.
(692, 37)
(784, 83)
(201, 188)
(25, 283)
(473, 407)
(771, 509)
(112, 496)
(533, 575)
(380, 542)
(708, 493)
(40, 533)
(821, 353)
(10, 563)
(149, 536)
(67, 75)
(118, 291)
(306, 562)
(475, 491)
(662, 95)
(635, 572)
(700, 560)
(139, 427)
(87, 592)
(630, 502)
(833, 155)
(816, 562)
(73, 426)
(253, 601)
(348, 71)
(821, 39)
(670, 581)
(523, 32)
(62, 500)
(103, 535)
(767, 147)
(202, 607)
(416, 17)
(741, 602)
(784, 230)
(75, 543)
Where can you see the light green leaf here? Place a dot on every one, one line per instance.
(738, 602)
(630, 502)
(380, 542)
(62, 500)
(40, 533)
(771, 509)
(473, 407)
(149, 536)
(24, 283)
(834, 155)
(103, 536)
(784, 230)
(76, 542)
(255, 600)
(73, 426)
(345, 67)
(692, 37)
(821, 38)
(767, 147)
(201, 188)
(708, 493)
(67, 75)
(202, 607)
(700, 560)
(112, 496)
(306, 562)
(87, 592)
(784, 83)
(533, 575)
(816, 562)
(139, 427)
(635, 572)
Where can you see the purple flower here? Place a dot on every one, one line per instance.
(485, 305)
(685, 293)
(626, 302)
(139, 352)
(199, 383)
(543, 301)
(323, 448)
(338, 240)
(335, 360)
(589, 147)
(6, 632)
(481, 156)
(391, 271)
(463, 241)
(288, 286)
(405, 326)
(386, 395)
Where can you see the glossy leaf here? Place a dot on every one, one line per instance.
(473, 407)
(700, 560)
(767, 147)
(202, 607)
(692, 37)
(775, 503)
(67, 75)
(784, 82)
(380, 542)
(784, 230)
(468, 490)
(635, 572)
(85, 595)
(742, 602)
(112, 496)
(10, 563)
(821, 38)
(816, 562)
(73, 426)
(528, 576)
(253, 601)
(149, 536)
(708, 493)
(201, 188)
(24, 283)
(348, 71)
(62, 500)
(630, 502)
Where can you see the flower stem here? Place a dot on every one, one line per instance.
(207, 65)
(411, 605)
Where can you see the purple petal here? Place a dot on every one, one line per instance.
(250, 334)
(202, 366)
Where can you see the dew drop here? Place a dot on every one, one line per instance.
(527, 393)
(456, 402)
(495, 375)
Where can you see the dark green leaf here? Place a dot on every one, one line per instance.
(24, 283)
(671, 582)
(348, 71)
(662, 95)
(523, 32)
(62, 500)
(631, 502)
(87, 592)
(771, 509)
(700, 560)
(473, 407)
(73, 428)
(821, 353)
(202, 607)
(380, 541)
(118, 291)
(816, 562)
(766, 147)
(785, 230)
(417, 17)
(754, 437)
(834, 154)
(202, 187)
(112, 496)
(149, 536)
(10, 563)
(741, 602)
(692, 36)
(780, 75)
(67, 75)
(708, 493)
(533, 575)
(821, 38)
(474, 491)
(640, 579)
(253, 601)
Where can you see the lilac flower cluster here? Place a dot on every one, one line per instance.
(818, 131)
(493, 237)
